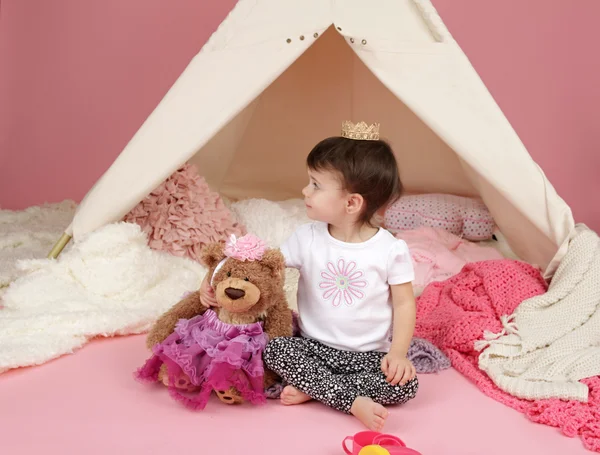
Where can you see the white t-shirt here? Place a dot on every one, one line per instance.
(344, 298)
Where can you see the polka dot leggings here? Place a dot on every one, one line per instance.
(334, 377)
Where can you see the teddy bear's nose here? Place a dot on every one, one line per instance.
(234, 293)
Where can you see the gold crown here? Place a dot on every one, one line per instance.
(360, 131)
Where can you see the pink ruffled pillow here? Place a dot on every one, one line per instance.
(183, 214)
(466, 217)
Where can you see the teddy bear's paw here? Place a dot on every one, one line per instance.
(182, 383)
(231, 396)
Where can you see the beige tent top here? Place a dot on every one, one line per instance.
(278, 76)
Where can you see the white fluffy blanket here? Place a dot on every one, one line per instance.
(109, 283)
(30, 234)
(552, 340)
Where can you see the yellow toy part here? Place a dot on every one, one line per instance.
(373, 450)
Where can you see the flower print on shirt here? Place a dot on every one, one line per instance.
(342, 283)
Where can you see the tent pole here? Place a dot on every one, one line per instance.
(59, 245)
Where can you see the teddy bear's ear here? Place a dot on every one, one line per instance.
(274, 260)
(212, 254)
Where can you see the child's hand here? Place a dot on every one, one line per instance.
(207, 294)
(397, 368)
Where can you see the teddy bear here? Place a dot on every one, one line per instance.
(199, 349)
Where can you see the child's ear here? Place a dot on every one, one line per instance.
(273, 259)
(212, 254)
(354, 204)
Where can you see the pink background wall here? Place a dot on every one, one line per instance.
(78, 78)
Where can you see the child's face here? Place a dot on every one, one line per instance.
(324, 197)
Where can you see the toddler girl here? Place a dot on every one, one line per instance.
(355, 299)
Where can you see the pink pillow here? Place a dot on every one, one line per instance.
(183, 214)
(466, 217)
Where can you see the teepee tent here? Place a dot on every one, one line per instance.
(278, 76)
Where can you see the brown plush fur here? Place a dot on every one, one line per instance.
(263, 300)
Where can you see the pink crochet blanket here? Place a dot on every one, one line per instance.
(453, 314)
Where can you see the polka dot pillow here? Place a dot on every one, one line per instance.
(462, 216)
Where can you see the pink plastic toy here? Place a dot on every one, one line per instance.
(375, 443)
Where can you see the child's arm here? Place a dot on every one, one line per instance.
(405, 313)
(395, 364)
(207, 294)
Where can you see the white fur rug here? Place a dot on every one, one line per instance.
(109, 283)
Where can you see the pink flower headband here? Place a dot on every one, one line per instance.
(246, 248)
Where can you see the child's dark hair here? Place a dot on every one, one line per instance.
(368, 168)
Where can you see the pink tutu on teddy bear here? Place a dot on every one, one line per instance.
(214, 355)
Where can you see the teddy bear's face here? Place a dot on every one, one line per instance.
(235, 291)
(245, 286)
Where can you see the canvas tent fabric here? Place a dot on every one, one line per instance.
(278, 76)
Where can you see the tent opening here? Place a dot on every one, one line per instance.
(261, 152)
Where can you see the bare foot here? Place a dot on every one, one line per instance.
(371, 414)
(291, 395)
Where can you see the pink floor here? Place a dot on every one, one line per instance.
(88, 403)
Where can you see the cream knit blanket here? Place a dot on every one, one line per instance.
(552, 341)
